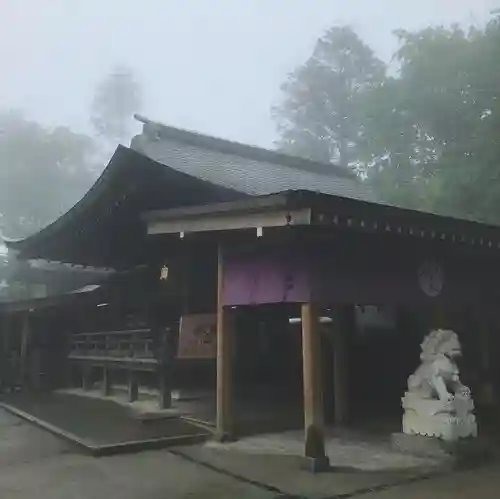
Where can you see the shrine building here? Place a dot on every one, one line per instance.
(278, 287)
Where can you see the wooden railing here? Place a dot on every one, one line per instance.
(134, 344)
(131, 350)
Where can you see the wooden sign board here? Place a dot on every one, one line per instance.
(198, 337)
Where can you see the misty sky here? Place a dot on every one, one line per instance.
(210, 65)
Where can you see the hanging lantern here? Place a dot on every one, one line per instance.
(164, 273)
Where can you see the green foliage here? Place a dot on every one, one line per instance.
(116, 99)
(427, 136)
(318, 118)
(43, 172)
(450, 83)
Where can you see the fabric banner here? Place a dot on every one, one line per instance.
(198, 337)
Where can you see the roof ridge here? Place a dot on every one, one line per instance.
(253, 152)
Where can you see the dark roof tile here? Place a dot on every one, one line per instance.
(243, 168)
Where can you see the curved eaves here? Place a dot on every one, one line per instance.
(98, 189)
(110, 211)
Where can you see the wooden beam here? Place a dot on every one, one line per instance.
(313, 390)
(230, 221)
(224, 418)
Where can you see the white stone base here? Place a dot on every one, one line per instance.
(442, 426)
(433, 418)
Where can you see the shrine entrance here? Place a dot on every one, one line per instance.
(267, 369)
(308, 257)
(343, 256)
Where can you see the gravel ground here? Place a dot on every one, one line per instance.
(344, 450)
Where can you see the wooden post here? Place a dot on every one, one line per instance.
(68, 373)
(166, 359)
(106, 382)
(224, 418)
(343, 325)
(25, 338)
(133, 386)
(164, 387)
(313, 390)
(87, 381)
(4, 360)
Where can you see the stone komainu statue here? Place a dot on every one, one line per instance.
(437, 404)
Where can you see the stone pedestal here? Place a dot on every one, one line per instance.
(448, 421)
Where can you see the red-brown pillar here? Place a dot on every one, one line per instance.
(313, 390)
(224, 418)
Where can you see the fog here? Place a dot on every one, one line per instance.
(210, 65)
(420, 129)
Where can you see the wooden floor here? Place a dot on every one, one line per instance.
(99, 422)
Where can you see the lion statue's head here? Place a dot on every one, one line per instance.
(438, 342)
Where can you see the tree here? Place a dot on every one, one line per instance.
(43, 172)
(319, 116)
(116, 99)
(426, 137)
(445, 104)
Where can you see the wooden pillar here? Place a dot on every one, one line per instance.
(25, 339)
(87, 381)
(164, 387)
(133, 386)
(313, 390)
(4, 345)
(68, 373)
(106, 381)
(343, 325)
(224, 419)
(166, 360)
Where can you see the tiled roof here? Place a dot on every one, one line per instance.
(246, 169)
